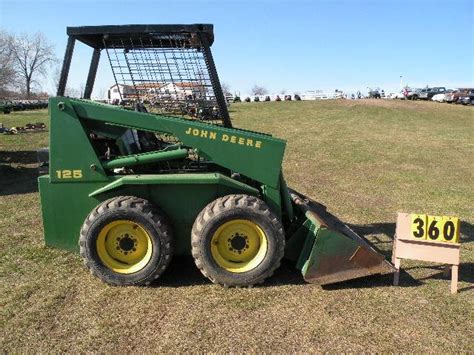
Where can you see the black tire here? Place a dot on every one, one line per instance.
(232, 208)
(141, 214)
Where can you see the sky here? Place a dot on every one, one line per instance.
(283, 45)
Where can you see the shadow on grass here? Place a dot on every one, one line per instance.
(183, 272)
(466, 274)
(18, 172)
(18, 157)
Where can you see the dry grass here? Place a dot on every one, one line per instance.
(365, 160)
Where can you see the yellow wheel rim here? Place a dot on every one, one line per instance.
(239, 245)
(124, 246)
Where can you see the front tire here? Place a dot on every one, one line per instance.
(237, 241)
(126, 241)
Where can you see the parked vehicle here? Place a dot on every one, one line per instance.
(267, 98)
(441, 97)
(428, 93)
(374, 93)
(410, 93)
(399, 95)
(297, 97)
(468, 98)
(456, 94)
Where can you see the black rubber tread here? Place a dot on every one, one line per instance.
(227, 208)
(144, 213)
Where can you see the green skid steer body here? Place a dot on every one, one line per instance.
(129, 189)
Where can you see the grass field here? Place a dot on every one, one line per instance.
(365, 160)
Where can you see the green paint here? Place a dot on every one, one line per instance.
(144, 158)
(181, 196)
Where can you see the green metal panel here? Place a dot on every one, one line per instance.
(255, 155)
(273, 199)
(178, 179)
(64, 208)
(69, 147)
(181, 196)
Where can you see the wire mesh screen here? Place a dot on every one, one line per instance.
(166, 73)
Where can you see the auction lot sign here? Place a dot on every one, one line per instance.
(435, 228)
(427, 238)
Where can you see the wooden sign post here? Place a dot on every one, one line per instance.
(427, 238)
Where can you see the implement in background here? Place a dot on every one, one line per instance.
(165, 69)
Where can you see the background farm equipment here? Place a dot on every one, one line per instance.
(29, 127)
(147, 184)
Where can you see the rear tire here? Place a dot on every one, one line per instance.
(126, 241)
(237, 241)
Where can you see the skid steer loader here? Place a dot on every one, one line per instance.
(163, 172)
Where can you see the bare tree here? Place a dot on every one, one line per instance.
(32, 55)
(258, 90)
(73, 92)
(7, 70)
(82, 88)
(101, 93)
(55, 77)
(226, 89)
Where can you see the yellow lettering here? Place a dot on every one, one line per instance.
(212, 135)
(195, 132)
(77, 174)
(188, 131)
(249, 142)
(241, 141)
(225, 138)
(233, 139)
(258, 144)
(204, 134)
(69, 174)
